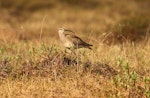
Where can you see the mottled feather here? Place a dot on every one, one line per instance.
(77, 41)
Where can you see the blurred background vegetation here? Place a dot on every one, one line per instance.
(29, 19)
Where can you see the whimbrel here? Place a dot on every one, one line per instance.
(71, 40)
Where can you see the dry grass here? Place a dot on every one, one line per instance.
(33, 64)
(38, 70)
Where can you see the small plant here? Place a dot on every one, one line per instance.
(147, 86)
(128, 80)
(1, 50)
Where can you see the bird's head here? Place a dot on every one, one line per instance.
(61, 30)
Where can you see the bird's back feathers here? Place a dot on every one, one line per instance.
(77, 41)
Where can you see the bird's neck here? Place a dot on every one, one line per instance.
(61, 35)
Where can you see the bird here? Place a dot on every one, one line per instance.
(71, 40)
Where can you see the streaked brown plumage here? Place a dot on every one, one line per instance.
(71, 40)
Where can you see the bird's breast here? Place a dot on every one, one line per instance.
(68, 44)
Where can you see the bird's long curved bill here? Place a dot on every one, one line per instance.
(69, 31)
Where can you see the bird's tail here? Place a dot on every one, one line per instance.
(89, 46)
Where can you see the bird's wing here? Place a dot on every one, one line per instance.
(76, 40)
(69, 32)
